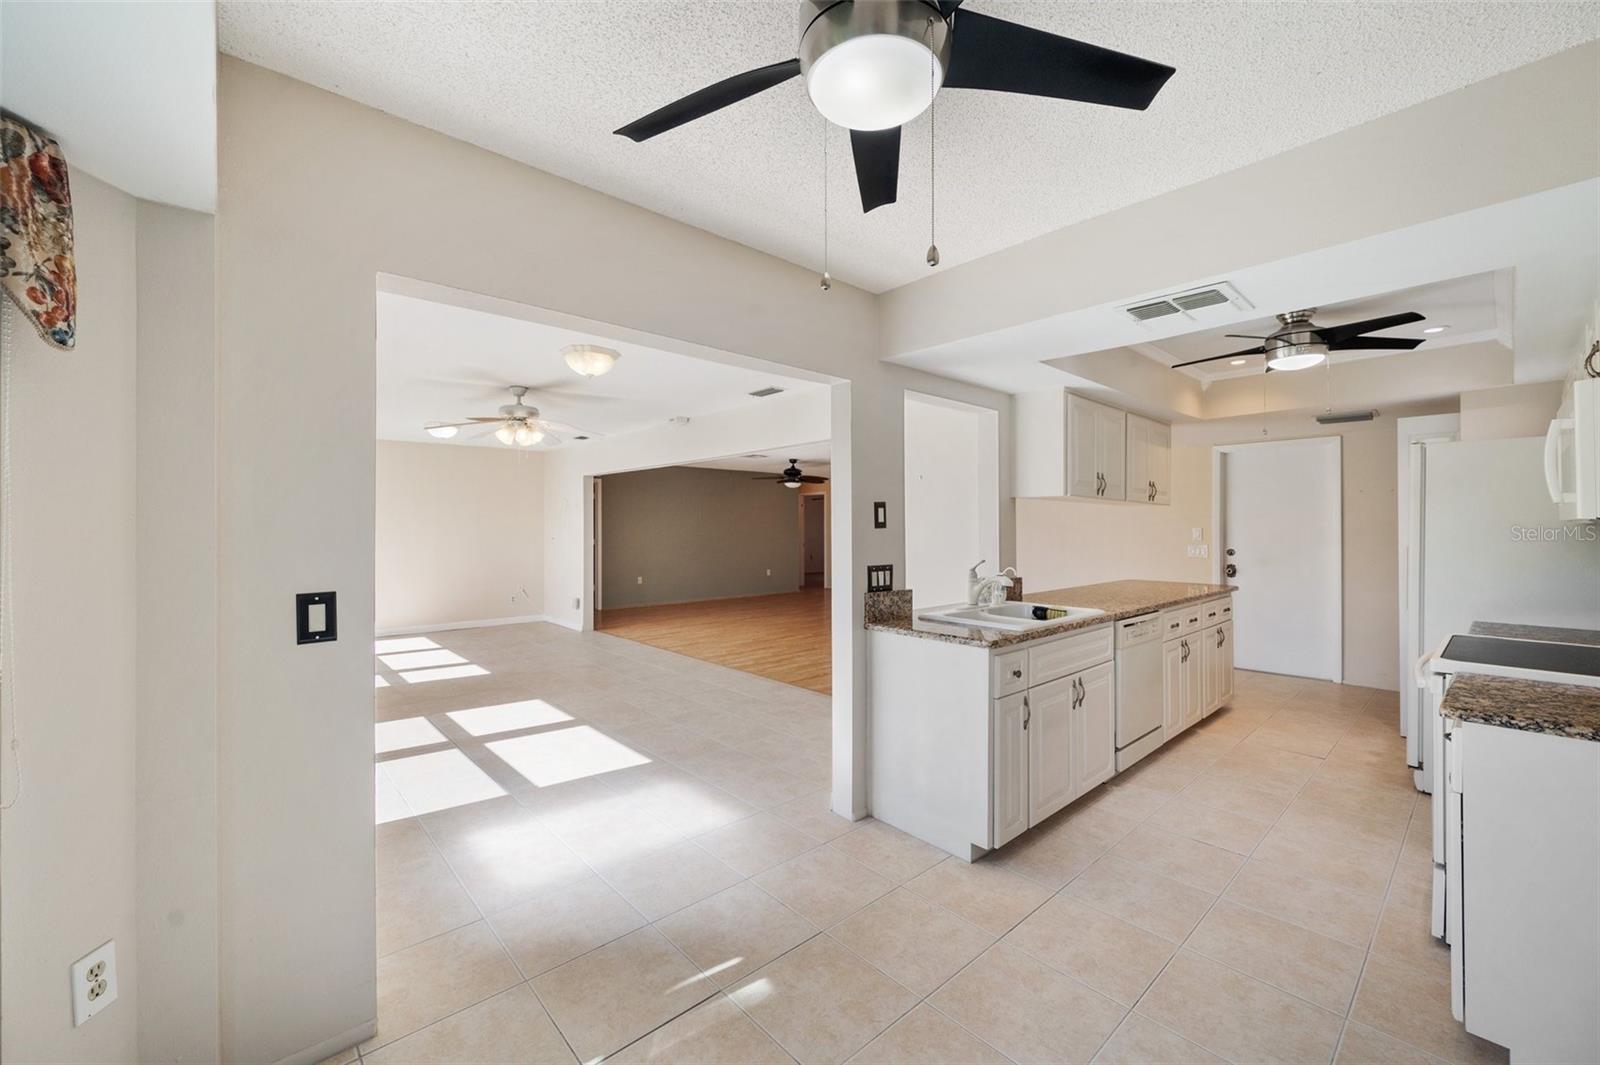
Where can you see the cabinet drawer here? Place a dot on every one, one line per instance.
(1184, 620)
(1211, 613)
(1068, 655)
(1226, 609)
(1010, 673)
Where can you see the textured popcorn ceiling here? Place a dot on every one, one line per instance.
(547, 82)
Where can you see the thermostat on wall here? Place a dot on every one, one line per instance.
(315, 618)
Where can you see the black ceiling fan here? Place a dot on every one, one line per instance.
(1299, 344)
(873, 65)
(792, 477)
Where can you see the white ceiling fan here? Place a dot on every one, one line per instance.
(517, 424)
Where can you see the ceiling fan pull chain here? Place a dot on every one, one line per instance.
(827, 280)
(933, 91)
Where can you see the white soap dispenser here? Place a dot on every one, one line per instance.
(972, 583)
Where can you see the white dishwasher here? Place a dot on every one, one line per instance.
(1139, 693)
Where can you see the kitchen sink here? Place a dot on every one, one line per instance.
(1011, 615)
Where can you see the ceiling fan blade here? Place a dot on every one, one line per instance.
(1245, 336)
(991, 53)
(1371, 325)
(1214, 358)
(810, 479)
(1374, 344)
(877, 155)
(711, 98)
(948, 7)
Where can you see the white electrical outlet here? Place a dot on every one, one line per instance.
(639, 579)
(769, 573)
(94, 982)
(1203, 550)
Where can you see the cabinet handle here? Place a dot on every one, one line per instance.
(1222, 637)
(1027, 713)
(1016, 674)
(1184, 646)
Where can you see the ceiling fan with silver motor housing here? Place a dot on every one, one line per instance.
(1299, 344)
(516, 425)
(874, 65)
(792, 477)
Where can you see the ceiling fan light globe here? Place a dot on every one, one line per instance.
(1296, 358)
(442, 432)
(589, 360)
(527, 436)
(506, 434)
(792, 484)
(874, 81)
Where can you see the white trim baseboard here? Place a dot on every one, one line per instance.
(445, 626)
(331, 1046)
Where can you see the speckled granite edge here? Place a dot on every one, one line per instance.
(1526, 705)
(1119, 599)
(887, 607)
(1542, 633)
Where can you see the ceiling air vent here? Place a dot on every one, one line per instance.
(1198, 305)
(1143, 312)
(763, 393)
(1331, 418)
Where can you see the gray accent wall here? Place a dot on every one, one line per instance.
(693, 534)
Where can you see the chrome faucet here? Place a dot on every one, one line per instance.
(991, 590)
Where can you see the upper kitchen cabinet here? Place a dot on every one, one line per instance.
(1070, 446)
(1149, 460)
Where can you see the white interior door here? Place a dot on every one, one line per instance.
(1281, 532)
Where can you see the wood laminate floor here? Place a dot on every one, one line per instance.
(782, 637)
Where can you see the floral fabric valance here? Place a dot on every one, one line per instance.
(36, 264)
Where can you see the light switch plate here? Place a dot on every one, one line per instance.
(1196, 534)
(94, 982)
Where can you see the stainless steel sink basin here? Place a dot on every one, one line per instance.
(1017, 616)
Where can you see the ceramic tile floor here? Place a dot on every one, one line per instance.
(593, 849)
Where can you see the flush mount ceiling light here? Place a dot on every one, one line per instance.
(1436, 329)
(874, 65)
(516, 424)
(1298, 344)
(1237, 362)
(590, 360)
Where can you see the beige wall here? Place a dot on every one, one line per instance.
(691, 533)
(1516, 410)
(460, 535)
(69, 875)
(1069, 542)
(177, 670)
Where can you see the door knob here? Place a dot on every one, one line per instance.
(1231, 570)
(1230, 552)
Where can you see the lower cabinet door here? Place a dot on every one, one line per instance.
(1210, 670)
(1225, 664)
(1193, 679)
(1009, 749)
(1050, 747)
(1094, 730)
(1172, 688)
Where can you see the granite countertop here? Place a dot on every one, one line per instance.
(1544, 633)
(1119, 599)
(1527, 705)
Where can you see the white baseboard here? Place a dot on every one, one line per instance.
(332, 1045)
(445, 626)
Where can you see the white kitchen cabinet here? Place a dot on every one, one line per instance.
(1194, 705)
(1217, 656)
(1149, 460)
(1172, 689)
(1050, 783)
(1094, 729)
(1066, 445)
(1009, 754)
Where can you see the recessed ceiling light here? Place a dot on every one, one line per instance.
(1436, 329)
(1236, 362)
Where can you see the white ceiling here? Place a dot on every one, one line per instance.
(128, 89)
(438, 362)
(1469, 308)
(547, 82)
(813, 458)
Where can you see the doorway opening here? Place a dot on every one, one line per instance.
(952, 486)
(1280, 522)
(723, 559)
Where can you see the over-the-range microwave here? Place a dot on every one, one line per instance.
(1572, 452)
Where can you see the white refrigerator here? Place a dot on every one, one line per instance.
(1494, 548)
